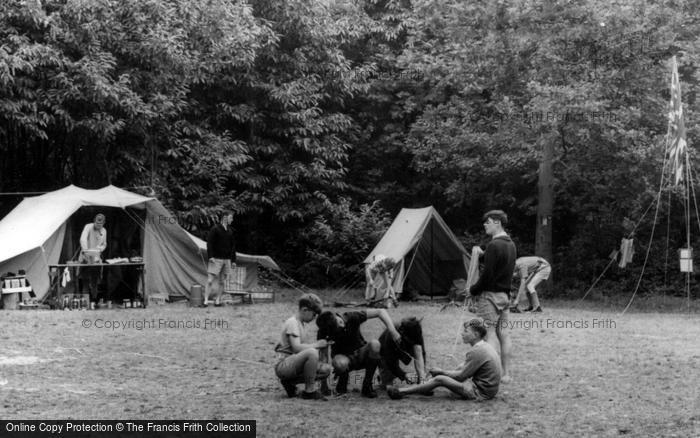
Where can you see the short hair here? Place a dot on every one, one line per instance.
(327, 324)
(478, 325)
(497, 215)
(311, 302)
(100, 218)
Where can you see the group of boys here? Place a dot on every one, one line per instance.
(478, 377)
(301, 360)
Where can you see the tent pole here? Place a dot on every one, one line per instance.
(432, 264)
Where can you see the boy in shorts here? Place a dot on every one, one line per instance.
(299, 361)
(478, 378)
(221, 251)
(492, 291)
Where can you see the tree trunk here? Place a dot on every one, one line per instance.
(545, 205)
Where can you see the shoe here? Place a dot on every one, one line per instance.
(341, 390)
(538, 310)
(515, 310)
(529, 309)
(394, 393)
(369, 393)
(316, 395)
(218, 304)
(342, 386)
(290, 387)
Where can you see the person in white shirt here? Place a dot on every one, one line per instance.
(299, 354)
(93, 241)
(531, 271)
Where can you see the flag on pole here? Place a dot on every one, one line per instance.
(676, 126)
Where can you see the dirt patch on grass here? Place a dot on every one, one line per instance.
(577, 372)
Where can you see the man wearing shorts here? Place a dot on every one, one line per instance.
(299, 361)
(492, 290)
(350, 351)
(478, 378)
(531, 271)
(221, 251)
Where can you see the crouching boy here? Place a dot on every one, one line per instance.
(299, 361)
(477, 378)
(350, 350)
(411, 347)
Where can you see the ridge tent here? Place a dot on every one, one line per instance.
(428, 255)
(44, 230)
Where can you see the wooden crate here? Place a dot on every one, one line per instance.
(157, 300)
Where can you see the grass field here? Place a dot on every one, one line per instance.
(635, 375)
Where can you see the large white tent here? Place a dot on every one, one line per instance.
(428, 255)
(32, 237)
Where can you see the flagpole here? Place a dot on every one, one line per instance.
(689, 187)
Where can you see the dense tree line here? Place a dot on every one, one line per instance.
(316, 121)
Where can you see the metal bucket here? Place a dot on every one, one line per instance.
(196, 295)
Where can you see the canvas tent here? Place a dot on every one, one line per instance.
(429, 255)
(36, 233)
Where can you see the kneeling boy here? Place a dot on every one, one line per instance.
(477, 378)
(300, 357)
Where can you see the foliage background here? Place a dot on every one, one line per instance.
(317, 121)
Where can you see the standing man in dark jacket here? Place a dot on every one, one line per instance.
(221, 251)
(492, 290)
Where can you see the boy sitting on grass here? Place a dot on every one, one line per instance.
(477, 378)
(300, 357)
(350, 350)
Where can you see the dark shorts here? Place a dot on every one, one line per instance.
(360, 358)
(470, 391)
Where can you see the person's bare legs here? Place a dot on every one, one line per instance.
(219, 290)
(310, 358)
(435, 382)
(211, 280)
(501, 330)
(307, 368)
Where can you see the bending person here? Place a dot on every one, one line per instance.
(531, 271)
(350, 351)
(410, 348)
